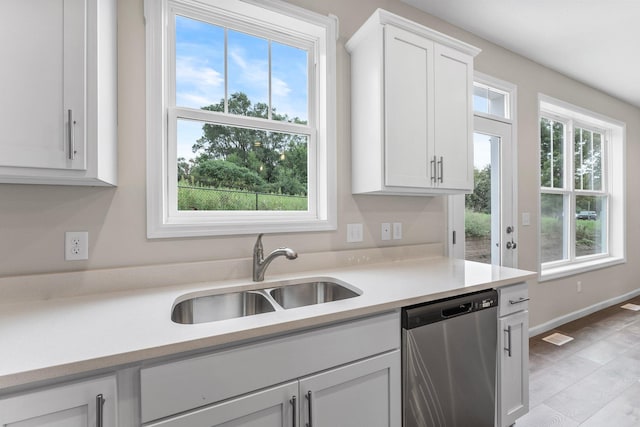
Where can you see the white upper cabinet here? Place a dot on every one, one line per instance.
(411, 111)
(58, 122)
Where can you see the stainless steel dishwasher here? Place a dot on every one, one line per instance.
(449, 362)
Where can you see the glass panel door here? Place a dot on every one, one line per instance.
(483, 221)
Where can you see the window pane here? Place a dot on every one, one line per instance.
(248, 81)
(590, 234)
(480, 99)
(241, 169)
(289, 83)
(552, 228)
(583, 150)
(490, 101)
(484, 201)
(597, 161)
(199, 63)
(588, 160)
(497, 103)
(551, 153)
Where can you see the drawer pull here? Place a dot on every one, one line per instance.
(518, 301)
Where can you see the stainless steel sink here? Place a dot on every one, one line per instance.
(220, 307)
(309, 293)
(277, 296)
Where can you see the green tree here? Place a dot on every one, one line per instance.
(480, 199)
(184, 169)
(273, 156)
(224, 174)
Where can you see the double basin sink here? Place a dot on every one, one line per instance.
(279, 296)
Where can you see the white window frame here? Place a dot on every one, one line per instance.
(613, 182)
(266, 17)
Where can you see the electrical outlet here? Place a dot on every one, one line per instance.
(579, 286)
(76, 245)
(385, 231)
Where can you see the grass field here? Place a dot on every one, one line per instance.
(213, 199)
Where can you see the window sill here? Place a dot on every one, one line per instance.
(553, 273)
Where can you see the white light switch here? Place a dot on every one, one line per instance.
(354, 233)
(526, 218)
(397, 231)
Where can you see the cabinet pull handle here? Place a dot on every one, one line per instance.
(99, 408)
(72, 137)
(308, 396)
(295, 416)
(441, 163)
(508, 348)
(518, 301)
(433, 169)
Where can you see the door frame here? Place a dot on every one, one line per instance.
(456, 204)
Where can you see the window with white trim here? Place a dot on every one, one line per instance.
(240, 118)
(582, 189)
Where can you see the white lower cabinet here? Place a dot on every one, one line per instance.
(346, 374)
(89, 403)
(513, 351)
(365, 393)
(359, 394)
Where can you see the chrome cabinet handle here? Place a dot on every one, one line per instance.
(99, 410)
(433, 169)
(441, 163)
(518, 301)
(295, 415)
(308, 396)
(72, 137)
(508, 348)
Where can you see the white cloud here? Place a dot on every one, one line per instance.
(279, 87)
(197, 83)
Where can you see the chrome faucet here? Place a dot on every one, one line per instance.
(260, 264)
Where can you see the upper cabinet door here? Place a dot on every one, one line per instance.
(411, 127)
(58, 110)
(453, 119)
(409, 100)
(42, 43)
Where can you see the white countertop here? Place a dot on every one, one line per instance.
(46, 339)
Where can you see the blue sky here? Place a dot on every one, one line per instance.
(200, 78)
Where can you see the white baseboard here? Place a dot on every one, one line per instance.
(554, 323)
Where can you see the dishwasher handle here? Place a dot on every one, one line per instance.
(457, 310)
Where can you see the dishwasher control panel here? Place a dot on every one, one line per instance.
(436, 311)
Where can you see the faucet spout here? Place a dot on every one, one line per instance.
(260, 263)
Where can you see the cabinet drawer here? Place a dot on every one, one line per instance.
(190, 383)
(513, 298)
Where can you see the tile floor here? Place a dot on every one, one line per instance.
(592, 381)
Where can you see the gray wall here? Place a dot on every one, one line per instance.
(33, 218)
